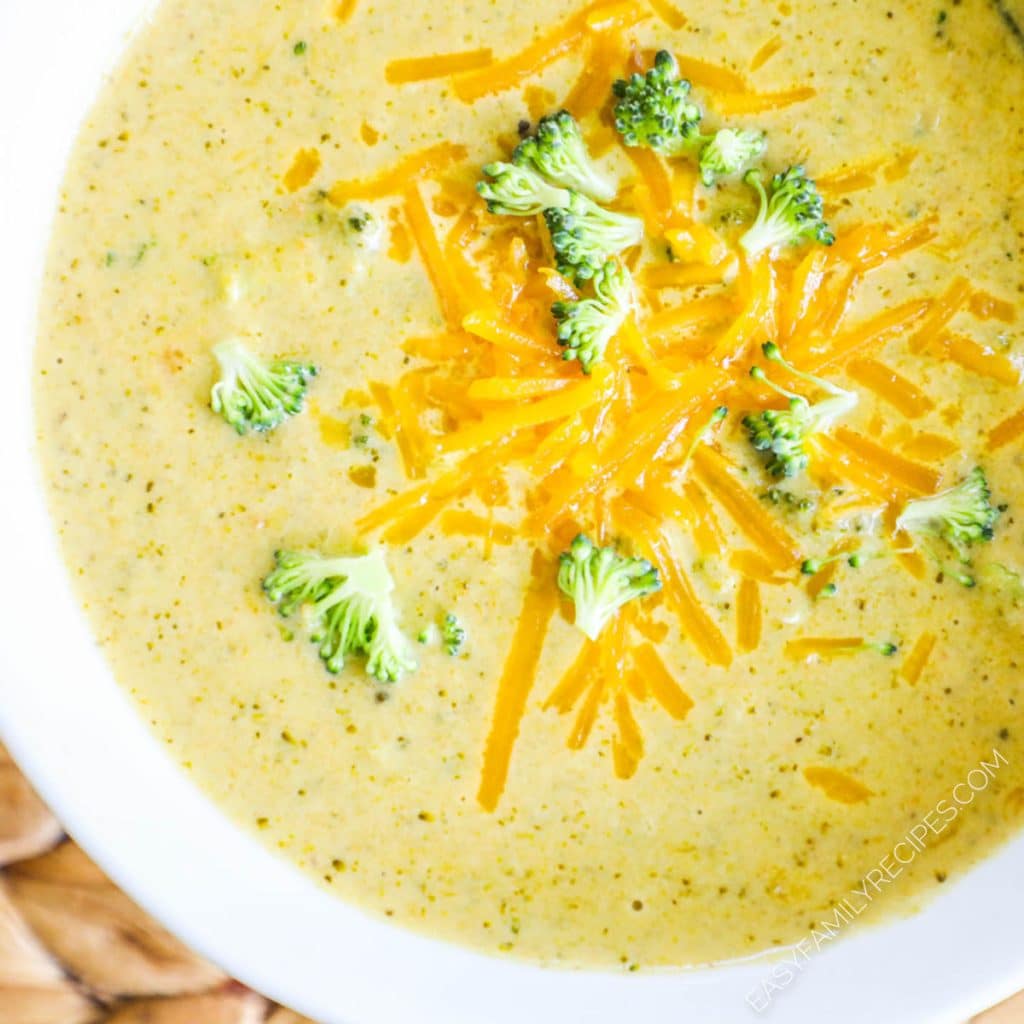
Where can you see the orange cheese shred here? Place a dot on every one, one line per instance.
(654, 174)
(943, 310)
(676, 275)
(514, 389)
(400, 176)
(911, 476)
(304, 166)
(892, 387)
(917, 660)
(440, 273)
(804, 287)
(837, 785)
(752, 325)
(501, 75)
(749, 514)
(502, 422)
(697, 625)
(979, 359)
(871, 334)
(870, 245)
(469, 524)
(706, 532)
(988, 307)
(930, 447)
(711, 76)
(653, 428)
(660, 683)
(593, 87)
(1006, 431)
(899, 167)
(850, 178)
(577, 677)
(628, 744)
(687, 316)
(420, 69)
(748, 615)
(734, 104)
(766, 52)
(517, 680)
(615, 16)
(822, 646)
(755, 566)
(492, 327)
(669, 14)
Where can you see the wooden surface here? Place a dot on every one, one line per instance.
(75, 950)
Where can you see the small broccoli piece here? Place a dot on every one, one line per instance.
(558, 151)
(255, 395)
(363, 229)
(350, 606)
(655, 109)
(584, 236)
(886, 649)
(792, 214)
(854, 559)
(728, 152)
(783, 432)
(600, 581)
(519, 191)
(587, 325)
(453, 635)
(961, 516)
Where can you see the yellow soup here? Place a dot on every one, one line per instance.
(738, 750)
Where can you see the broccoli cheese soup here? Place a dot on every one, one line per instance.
(550, 471)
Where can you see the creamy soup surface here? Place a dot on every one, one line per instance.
(203, 203)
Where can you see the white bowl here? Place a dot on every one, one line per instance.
(94, 761)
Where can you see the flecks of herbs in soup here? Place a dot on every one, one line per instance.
(656, 527)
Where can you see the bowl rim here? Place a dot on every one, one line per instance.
(87, 751)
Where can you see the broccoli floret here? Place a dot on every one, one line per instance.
(961, 516)
(255, 395)
(790, 215)
(584, 236)
(783, 432)
(558, 151)
(600, 581)
(453, 635)
(587, 325)
(519, 191)
(350, 606)
(728, 152)
(655, 109)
